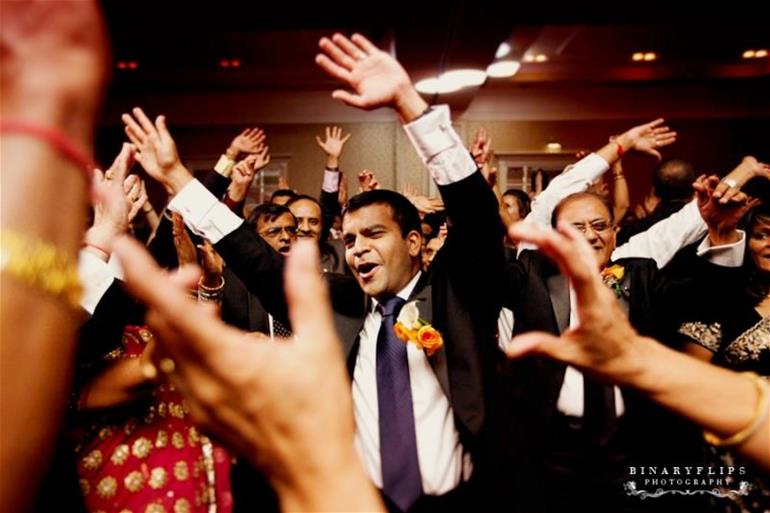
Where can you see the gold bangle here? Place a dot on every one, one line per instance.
(760, 414)
(40, 265)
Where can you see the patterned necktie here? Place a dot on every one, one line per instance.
(599, 418)
(401, 481)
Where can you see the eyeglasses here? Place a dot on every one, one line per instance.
(276, 231)
(599, 226)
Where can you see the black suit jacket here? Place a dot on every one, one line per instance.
(461, 297)
(539, 297)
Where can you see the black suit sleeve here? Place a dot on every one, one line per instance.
(258, 265)
(474, 246)
(215, 183)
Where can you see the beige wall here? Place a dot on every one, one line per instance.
(716, 125)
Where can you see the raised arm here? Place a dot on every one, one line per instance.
(713, 211)
(376, 80)
(332, 146)
(53, 69)
(647, 138)
(727, 404)
(251, 258)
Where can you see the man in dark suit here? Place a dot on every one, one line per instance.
(578, 434)
(422, 420)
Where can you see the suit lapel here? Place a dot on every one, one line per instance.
(558, 289)
(423, 295)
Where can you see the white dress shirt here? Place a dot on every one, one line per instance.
(96, 276)
(440, 454)
(660, 242)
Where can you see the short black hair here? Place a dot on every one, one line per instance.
(580, 195)
(282, 192)
(403, 211)
(269, 212)
(673, 180)
(522, 198)
(298, 197)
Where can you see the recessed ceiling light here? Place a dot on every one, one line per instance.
(650, 56)
(502, 50)
(464, 77)
(553, 146)
(637, 56)
(760, 53)
(541, 57)
(529, 58)
(451, 81)
(749, 54)
(502, 69)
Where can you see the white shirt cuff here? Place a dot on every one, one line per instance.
(726, 255)
(203, 213)
(439, 146)
(96, 277)
(224, 166)
(331, 181)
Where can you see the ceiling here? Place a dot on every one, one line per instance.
(274, 45)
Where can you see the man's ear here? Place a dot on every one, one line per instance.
(414, 242)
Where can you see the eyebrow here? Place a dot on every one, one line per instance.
(366, 229)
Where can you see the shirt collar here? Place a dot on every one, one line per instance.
(403, 293)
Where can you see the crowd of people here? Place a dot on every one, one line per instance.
(329, 351)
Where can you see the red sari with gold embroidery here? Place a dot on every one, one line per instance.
(148, 457)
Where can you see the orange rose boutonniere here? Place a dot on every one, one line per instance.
(613, 278)
(410, 327)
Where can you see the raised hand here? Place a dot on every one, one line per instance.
(249, 141)
(443, 232)
(185, 249)
(261, 158)
(54, 63)
(333, 145)
(481, 149)
(241, 178)
(367, 181)
(376, 78)
(157, 151)
(133, 187)
(424, 204)
(112, 205)
(334, 142)
(731, 184)
(721, 217)
(212, 264)
(648, 138)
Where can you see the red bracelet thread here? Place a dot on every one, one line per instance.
(56, 139)
(621, 151)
